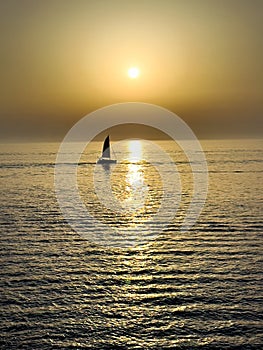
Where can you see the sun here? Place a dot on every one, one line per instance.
(133, 72)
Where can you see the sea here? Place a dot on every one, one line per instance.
(65, 288)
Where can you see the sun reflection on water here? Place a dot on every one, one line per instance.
(135, 151)
(136, 189)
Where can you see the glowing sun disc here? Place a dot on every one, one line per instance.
(133, 72)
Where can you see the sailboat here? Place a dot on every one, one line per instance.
(105, 155)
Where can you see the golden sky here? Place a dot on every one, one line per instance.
(62, 59)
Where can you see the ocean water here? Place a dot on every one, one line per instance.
(200, 289)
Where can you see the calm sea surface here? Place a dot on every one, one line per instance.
(196, 290)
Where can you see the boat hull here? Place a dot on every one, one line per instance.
(106, 161)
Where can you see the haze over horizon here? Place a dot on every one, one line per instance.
(62, 59)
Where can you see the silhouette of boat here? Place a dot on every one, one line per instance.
(106, 153)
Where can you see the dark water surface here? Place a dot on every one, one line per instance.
(194, 290)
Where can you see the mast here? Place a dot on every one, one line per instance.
(106, 148)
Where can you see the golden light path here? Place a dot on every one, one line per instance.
(135, 150)
(135, 185)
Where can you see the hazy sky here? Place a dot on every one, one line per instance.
(62, 59)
